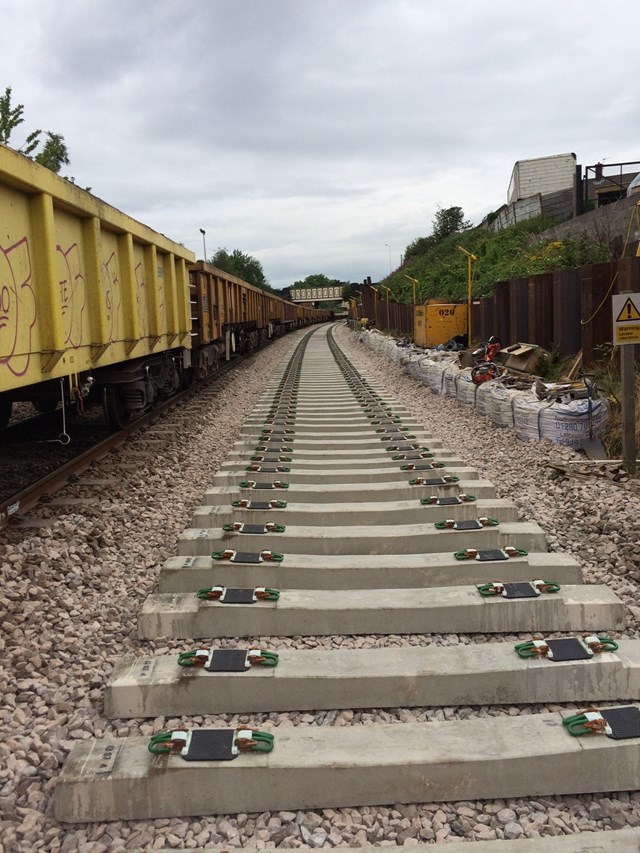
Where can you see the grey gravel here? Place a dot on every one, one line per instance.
(73, 584)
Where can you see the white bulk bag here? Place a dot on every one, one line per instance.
(466, 388)
(411, 364)
(435, 375)
(421, 368)
(569, 423)
(526, 418)
(572, 422)
(450, 379)
(483, 397)
(501, 404)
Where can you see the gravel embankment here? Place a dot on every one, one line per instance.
(72, 589)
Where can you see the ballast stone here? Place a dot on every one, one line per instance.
(431, 675)
(333, 767)
(308, 571)
(394, 611)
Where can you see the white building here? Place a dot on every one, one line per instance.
(542, 175)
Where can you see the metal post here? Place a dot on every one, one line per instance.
(469, 300)
(627, 375)
(414, 282)
(470, 257)
(204, 243)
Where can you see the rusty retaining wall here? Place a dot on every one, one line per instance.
(570, 309)
(387, 316)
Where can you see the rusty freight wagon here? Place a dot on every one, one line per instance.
(230, 316)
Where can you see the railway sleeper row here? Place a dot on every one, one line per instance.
(353, 540)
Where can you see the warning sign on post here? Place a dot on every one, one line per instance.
(625, 308)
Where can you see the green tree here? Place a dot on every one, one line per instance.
(447, 221)
(54, 152)
(316, 280)
(241, 265)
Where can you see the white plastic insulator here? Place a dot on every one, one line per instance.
(244, 734)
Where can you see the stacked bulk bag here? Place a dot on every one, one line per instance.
(374, 340)
(573, 422)
(411, 363)
(408, 355)
(466, 388)
(483, 397)
(363, 337)
(569, 423)
(396, 354)
(526, 418)
(450, 378)
(388, 348)
(420, 372)
(434, 372)
(501, 401)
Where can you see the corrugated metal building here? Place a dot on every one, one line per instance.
(542, 175)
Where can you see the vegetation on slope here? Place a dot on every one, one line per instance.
(441, 268)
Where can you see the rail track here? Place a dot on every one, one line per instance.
(38, 445)
(396, 682)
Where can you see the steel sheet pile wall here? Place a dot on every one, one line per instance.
(570, 309)
(393, 315)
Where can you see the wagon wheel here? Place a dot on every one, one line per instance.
(5, 412)
(115, 410)
(214, 364)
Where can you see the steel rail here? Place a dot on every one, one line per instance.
(24, 501)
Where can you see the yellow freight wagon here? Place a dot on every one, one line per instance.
(83, 287)
(436, 323)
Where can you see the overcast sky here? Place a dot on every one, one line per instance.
(319, 136)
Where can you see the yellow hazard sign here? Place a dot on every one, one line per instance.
(629, 313)
(626, 318)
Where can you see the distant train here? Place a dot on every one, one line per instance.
(97, 308)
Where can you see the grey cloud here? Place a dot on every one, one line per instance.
(313, 132)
